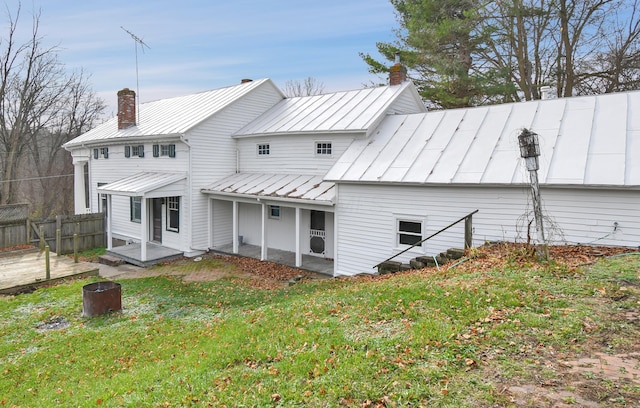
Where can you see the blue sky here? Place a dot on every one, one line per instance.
(197, 45)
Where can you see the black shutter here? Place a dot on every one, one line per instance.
(141, 151)
(95, 153)
(106, 153)
(156, 150)
(172, 150)
(127, 151)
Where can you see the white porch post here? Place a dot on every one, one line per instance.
(109, 223)
(236, 244)
(144, 229)
(298, 253)
(263, 237)
(79, 191)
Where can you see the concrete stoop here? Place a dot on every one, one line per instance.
(421, 261)
(110, 260)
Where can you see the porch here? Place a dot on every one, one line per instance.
(155, 253)
(309, 262)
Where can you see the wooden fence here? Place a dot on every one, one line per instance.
(16, 228)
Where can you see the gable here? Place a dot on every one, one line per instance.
(340, 112)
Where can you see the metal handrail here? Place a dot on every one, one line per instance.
(429, 237)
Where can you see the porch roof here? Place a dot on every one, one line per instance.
(141, 184)
(277, 187)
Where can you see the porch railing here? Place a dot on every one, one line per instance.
(468, 236)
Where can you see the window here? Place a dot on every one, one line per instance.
(323, 148)
(274, 212)
(164, 150)
(263, 149)
(135, 151)
(168, 150)
(409, 232)
(101, 152)
(102, 200)
(173, 214)
(136, 209)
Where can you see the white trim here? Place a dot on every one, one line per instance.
(397, 218)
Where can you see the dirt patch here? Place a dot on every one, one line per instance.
(211, 267)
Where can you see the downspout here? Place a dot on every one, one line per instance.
(237, 160)
(190, 188)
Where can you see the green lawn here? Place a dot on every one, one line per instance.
(443, 339)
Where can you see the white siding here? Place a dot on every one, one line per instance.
(214, 153)
(117, 167)
(367, 216)
(294, 154)
(222, 223)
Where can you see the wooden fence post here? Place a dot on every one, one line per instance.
(468, 232)
(58, 241)
(47, 265)
(75, 248)
(28, 232)
(42, 238)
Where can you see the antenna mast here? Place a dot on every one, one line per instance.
(137, 41)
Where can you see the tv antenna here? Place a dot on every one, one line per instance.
(138, 41)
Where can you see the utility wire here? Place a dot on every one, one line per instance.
(36, 178)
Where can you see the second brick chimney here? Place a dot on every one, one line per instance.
(397, 72)
(126, 108)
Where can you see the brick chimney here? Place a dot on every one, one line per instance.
(126, 108)
(397, 72)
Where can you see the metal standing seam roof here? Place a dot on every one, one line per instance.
(171, 116)
(349, 111)
(584, 141)
(141, 183)
(284, 187)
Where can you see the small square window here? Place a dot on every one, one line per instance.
(263, 149)
(409, 232)
(274, 212)
(323, 149)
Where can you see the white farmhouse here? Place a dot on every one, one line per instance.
(342, 181)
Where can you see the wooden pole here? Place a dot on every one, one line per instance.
(468, 232)
(42, 238)
(75, 248)
(47, 265)
(58, 242)
(28, 231)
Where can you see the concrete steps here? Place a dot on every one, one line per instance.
(421, 261)
(110, 260)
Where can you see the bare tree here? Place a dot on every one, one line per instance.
(79, 112)
(576, 46)
(38, 99)
(310, 86)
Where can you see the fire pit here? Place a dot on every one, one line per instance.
(101, 297)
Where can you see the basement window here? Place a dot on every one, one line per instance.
(173, 214)
(263, 149)
(408, 232)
